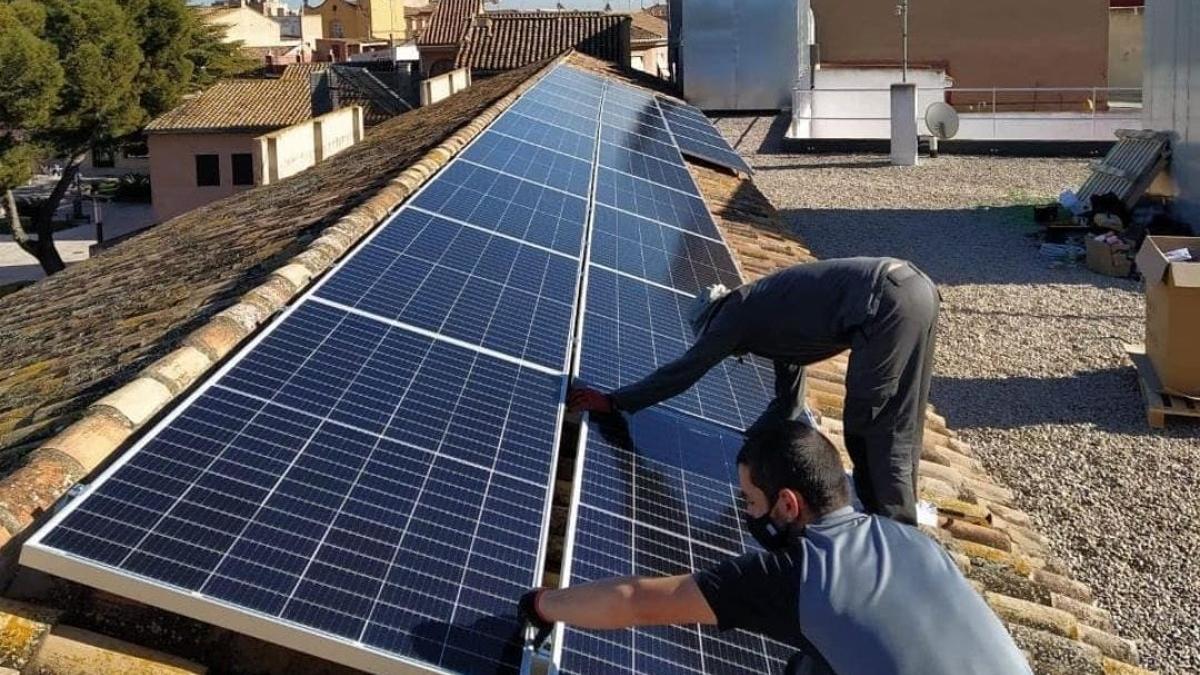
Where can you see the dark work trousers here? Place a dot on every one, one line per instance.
(887, 387)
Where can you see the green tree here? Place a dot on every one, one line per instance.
(123, 62)
(32, 77)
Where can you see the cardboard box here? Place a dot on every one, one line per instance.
(1106, 259)
(1172, 313)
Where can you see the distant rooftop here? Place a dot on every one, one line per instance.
(240, 105)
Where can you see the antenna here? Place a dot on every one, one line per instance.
(902, 12)
(942, 120)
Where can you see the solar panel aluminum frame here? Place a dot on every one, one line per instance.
(240, 619)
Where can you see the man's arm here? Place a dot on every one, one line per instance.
(674, 378)
(628, 601)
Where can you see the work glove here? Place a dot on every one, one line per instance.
(586, 399)
(528, 614)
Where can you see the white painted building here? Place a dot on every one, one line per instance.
(1172, 94)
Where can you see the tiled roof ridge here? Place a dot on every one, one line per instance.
(66, 458)
(1053, 617)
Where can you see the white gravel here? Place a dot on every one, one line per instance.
(1030, 367)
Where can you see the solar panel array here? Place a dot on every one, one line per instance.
(697, 137)
(660, 497)
(370, 480)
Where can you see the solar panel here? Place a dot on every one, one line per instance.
(530, 162)
(646, 199)
(464, 283)
(363, 487)
(500, 203)
(632, 327)
(649, 250)
(697, 137)
(659, 498)
(369, 480)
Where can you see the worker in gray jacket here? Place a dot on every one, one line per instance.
(853, 592)
(883, 310)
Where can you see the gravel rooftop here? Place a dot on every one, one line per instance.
(1030, 366)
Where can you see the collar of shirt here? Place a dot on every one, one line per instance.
(834, 518)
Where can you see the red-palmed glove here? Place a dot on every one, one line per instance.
(586, 399)
(530, 615)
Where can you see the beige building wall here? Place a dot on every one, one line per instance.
(388, 17)
(982, 43)
(173, 170)
(247, 25)
(1126, 28)
(652, 60)
(343, 20)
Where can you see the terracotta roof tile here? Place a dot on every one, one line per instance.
(241, 105)
(449, 21)
(513, 39)
(646, 26)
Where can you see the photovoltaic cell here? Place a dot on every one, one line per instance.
(530, 162)
(670, 207)
(697, 137)
(658, 498)
(672, 175)
(501, 203)
(345, 477)
(547, 135)
(631, 328)
(646, 249)
(464, 283)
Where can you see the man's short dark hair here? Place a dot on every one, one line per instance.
(795, 456)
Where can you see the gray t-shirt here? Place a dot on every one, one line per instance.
(868, 595)
(797, 316)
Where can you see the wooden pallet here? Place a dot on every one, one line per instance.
(1159, 404)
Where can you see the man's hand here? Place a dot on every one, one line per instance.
(529, 614)
(586, 399)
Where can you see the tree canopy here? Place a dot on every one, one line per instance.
(88, 74)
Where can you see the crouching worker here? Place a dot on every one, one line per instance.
(858, 593)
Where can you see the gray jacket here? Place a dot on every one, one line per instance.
(797, 316)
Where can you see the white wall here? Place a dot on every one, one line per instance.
(436, 88)
(1172, 96)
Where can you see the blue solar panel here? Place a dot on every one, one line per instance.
(530, 162)
(463, 283)
(672, 175)
(646, 249)
(697, 137)
(631, 328)
(547, 135)
(670, 207)
(372, 476)
(345, 477)
(661, 149)
(553, 111)
(508, 205)
(659, 498)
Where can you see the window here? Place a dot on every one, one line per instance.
(103, 159)
(208, 170)
(243, 169)
(336, 27)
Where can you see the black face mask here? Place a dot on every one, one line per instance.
(768, 535)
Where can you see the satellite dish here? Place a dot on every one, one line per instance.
(942, 120)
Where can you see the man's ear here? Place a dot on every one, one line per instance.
(792, 506)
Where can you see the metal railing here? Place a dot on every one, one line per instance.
(997, 104)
